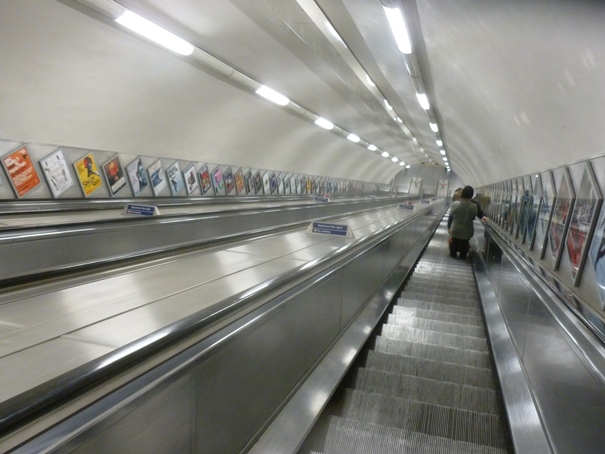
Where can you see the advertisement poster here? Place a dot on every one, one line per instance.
(585, 209)
(597, 256)
(258, 183)
(87, 172)
(534, 209)
(266, 183)
(21, 171)
(545, 213)
(57, 174)
(217, 180)
(273, 183)
(287, 189)
(205, 180)
(137, 176)
(229, 181)
(190, 179)
(175, 178)
(249, 182)
(240, 184)
(560, 217)
(114, 174)
(157, 177)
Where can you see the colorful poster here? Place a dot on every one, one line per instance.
(87, 172)
(217, 180)
(546, 207)
(287, 188)
(114, 174)
(157, 177)
(560, 217)
(534, 209)
(258, 183)
(205, 180)
(137, 176)
(21, 171)
(240, 184)
(249, 182)
(190, 179)
(597, 255)
(56, 172)
(585, 209)
(273, 183)
(175, 178)
(229, 181)
(266, 183)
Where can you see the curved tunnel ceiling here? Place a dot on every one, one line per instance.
(516, 87)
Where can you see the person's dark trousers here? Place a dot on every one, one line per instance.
(459, 245)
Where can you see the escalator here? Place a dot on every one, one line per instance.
(424, 384)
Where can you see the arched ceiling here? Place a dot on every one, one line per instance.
(515, 86)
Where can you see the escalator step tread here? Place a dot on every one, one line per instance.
(402, 312)
(450, 327)
(414, 416)
(441, 307)
(436, 370)
(421, 389)
(454, 292)
(349, 436)
(444, 299)
(433, 352)
(435, 338)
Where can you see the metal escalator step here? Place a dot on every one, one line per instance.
(406, 312)
(444, 299)
(441, 307)
(433, 352)
(434, 338)
(349, 436)
(426, 390)
(436, 370)
(442, 292)
(414, 416)
(442, 275)
(450, 287)
(437, 325)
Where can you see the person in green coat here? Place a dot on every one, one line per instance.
(460, 222)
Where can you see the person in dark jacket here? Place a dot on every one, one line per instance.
(460, 222)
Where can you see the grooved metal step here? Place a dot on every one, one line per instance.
(454, 395)
(441, 307)
(436, 370)
(407, 312)
(462, 329)
(349, 436)
(414, 416)
(434, 338)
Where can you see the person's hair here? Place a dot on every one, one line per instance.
(467, 192)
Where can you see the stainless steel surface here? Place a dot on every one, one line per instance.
(57, 242)
(100, 317)
(561, 359)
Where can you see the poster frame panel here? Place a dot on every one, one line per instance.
(562, 209)
(57, 166)
(120, 182)
(190, 178)
(88, 183)
(24, 178)
(157, 177)
(137, 173)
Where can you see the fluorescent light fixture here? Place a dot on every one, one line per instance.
(399, 120)
(402, 163)
(370, 81)
(423, 100)
(334, 32)
(442, 152)
(434, 127)
(399, 29)
(445, 159)
(353, 138)
(439, 143)
(372, 147)
(385, 154)
(323, 123)
(407, 167)
(394, 159)
(154, 32)
(387, 105)
(272, 95)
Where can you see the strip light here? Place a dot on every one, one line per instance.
(353, 138)
(423, 100)
(323, 123)
(385, 154)
(442, 152)
(439, 143)
(434, 127)
(399, 29)
(372, 147)
(154, 32)
(272, 95)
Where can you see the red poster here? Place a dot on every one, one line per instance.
(21, 171)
